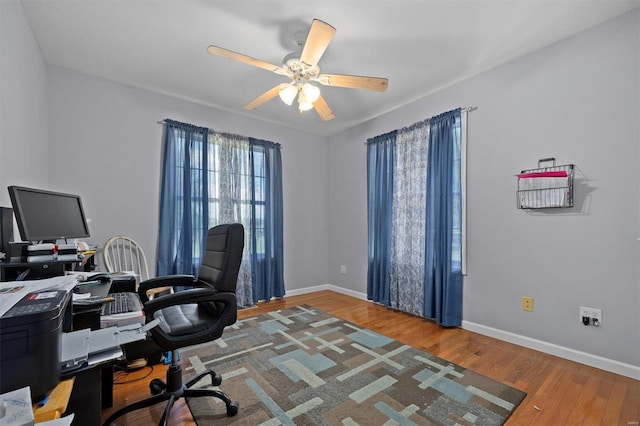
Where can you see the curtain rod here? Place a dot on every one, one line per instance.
(210, 131)
(462, 109)
(213, 132)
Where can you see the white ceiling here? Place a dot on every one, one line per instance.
(421, 46)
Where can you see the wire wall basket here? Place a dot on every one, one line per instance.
(546, 187)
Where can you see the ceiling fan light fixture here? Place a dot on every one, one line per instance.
(288, 94)
(303, 103)
(305, 106)
(311, 92)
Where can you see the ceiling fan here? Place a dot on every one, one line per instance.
(302, 68)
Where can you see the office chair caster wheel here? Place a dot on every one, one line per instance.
(232, 409)
(216, 379)
(157, 386)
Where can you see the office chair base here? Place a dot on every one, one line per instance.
(157, 386)
(216, 379)
(173, 390)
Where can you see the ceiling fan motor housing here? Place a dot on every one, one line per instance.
(298, 68)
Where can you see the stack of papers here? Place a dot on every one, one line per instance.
(16, 410)
(15, 407)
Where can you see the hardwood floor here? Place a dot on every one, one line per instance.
(559, 392)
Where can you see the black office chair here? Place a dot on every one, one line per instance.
(193, 316)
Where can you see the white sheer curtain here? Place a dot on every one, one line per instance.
(229, 195)
(408, 219)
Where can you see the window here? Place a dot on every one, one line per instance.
(210, 178)
(239, 191)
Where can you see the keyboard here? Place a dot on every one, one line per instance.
(122, 303)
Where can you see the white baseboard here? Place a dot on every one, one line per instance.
(553, 349)
(331, 287)
(617, 367)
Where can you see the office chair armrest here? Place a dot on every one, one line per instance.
(193, 295)
(197, 295)
(166, 281)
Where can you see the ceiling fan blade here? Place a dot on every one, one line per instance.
(230, 54)
(354, 81)
(319, 37)
(323, 109)
(266, 96)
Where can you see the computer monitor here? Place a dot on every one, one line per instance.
(48, 216)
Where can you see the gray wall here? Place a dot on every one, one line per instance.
(105, 144)
(576, 100)
(23, 104)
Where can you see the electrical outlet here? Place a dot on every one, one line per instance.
(594, 315)
(527, 303)
(343, 269)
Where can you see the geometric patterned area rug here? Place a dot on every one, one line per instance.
(301, 366)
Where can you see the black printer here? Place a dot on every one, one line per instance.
(30, 337)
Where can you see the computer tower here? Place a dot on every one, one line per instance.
(6, 229)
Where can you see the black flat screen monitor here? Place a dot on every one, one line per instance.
(46, 215)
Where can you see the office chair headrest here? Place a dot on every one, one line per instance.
(222, 256)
